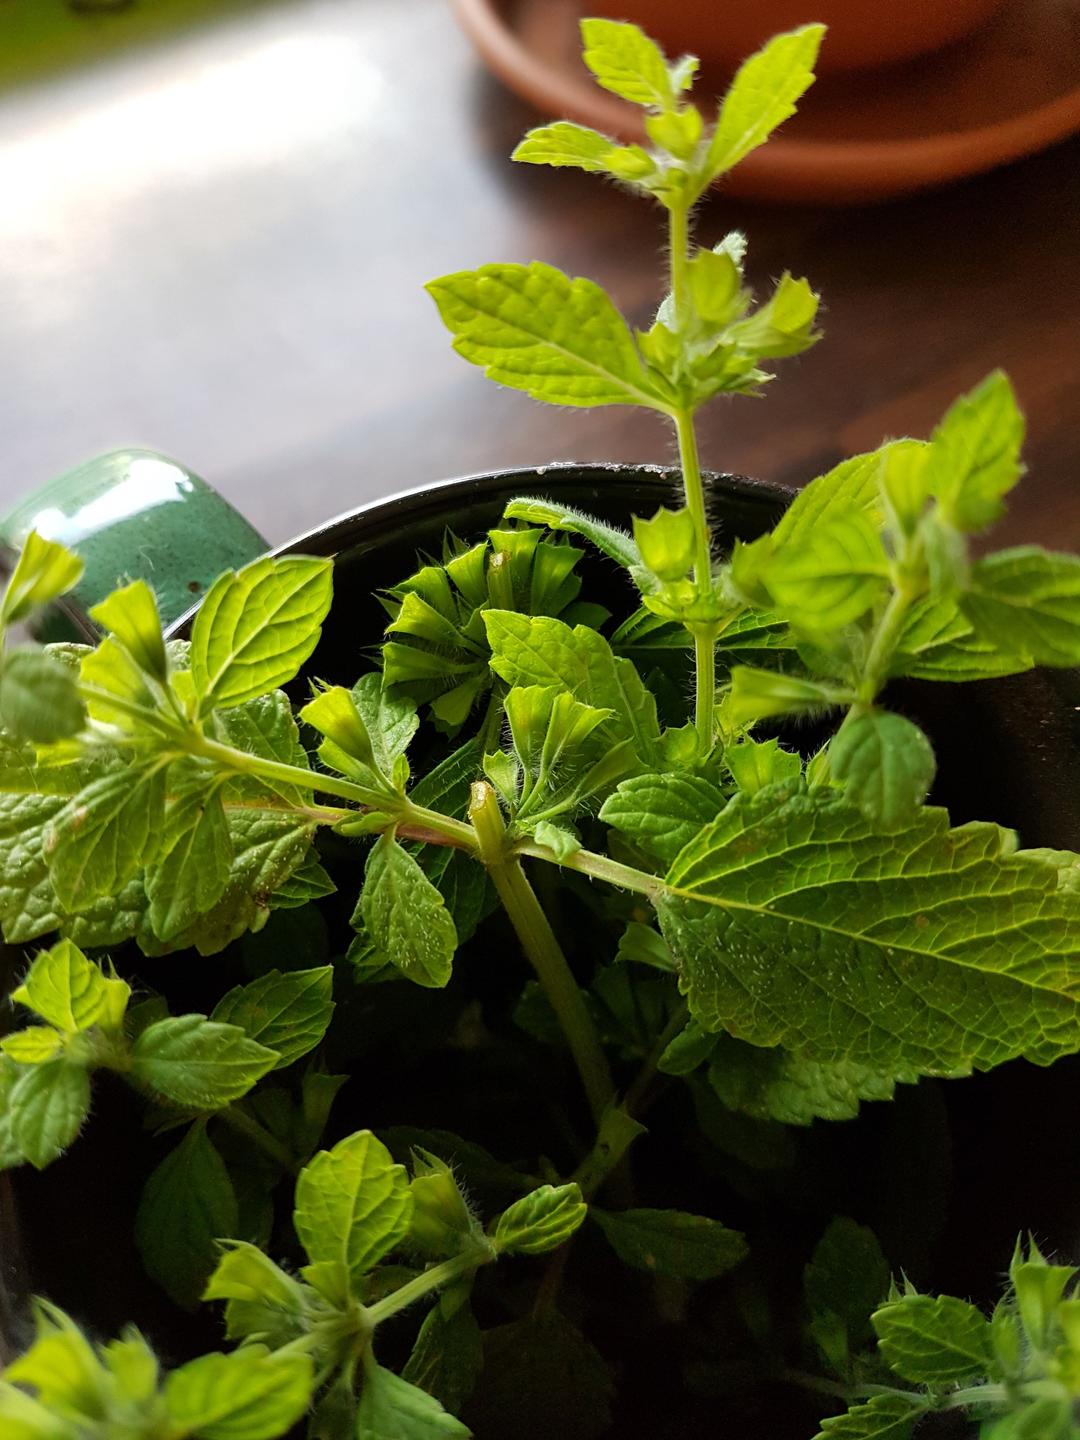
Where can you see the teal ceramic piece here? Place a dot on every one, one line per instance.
(134, 514)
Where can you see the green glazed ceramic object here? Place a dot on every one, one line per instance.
(134, 514)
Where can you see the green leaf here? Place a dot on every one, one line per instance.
(535, 329)
(883, 1417)
(39, 699)
(671, 1242)
(353, 1204)
(975, 454)
(288, 1013)
(105, 834)
(886, 762)
(539, 650)
(758, 694)
(26, 1419)
(198, 1064)
(392, 1409)
(565, 144)
(257, 626)
(625, 61)
(755, 764)
(773, 1084)
(244, 1273)
(1039, 1289)
(849, 488)
(44, 571)
(845, 1281)
(662, 813)
(66, 989)
(448, 1355)
(938, 643)
(391, 720)
(563, 842)
(762, 96)
(406, 916)
(61, 1366)
(132, 616)
(904, 475)
(927, 948)
(196, 862)
(251, 1394)
(48, 1105)
(831, 577)
(933, 1340)
(640, 943)
(667, 542)
(33, 1045)
(1027, 602)
(616, 544)
(540, 1221)
(188, 1204)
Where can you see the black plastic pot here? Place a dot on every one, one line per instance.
(962, 1166)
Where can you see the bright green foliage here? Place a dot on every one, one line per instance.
(666, 543)
(755, 764)
(663, 813)
(770, 1083)
(926, 948)
(45, 571)
(882, 1417)
(886, 762)
(576, 146)
(830, 578)
(198, 1064)
(933, 1340)
(438, 651)
(406, 916)
(39, 700)
(535, 329)
(762, 96)
(353, 1204)
(442, 1223)
(188, 1204)
(256, 627)
(47, 1105)
(671, 1242)
(195, 860)
(252, 1394)
(392, 1409)
(975, 454)
(288, 1013)
(759, 694)
(106, 834)
(541, 1221)
(616, 544)
(131, 614)
(69, 992)
(262, 1301)
(544, 651)
(1039, 1289)
(625, 61)
(1027, 603)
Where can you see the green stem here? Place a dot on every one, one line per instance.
(259, 1136)
(883, 644)
(588, 862)
(435, 1278)
(541, 947)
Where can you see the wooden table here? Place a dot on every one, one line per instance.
(215, 246)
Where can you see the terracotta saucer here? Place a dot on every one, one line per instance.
(1009, 89)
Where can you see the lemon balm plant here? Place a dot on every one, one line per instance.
(774, 937)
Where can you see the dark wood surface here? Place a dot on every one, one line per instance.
(215, 246)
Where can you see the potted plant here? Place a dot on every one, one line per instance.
(627, 1195)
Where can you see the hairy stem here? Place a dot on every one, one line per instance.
(541, 947)
(435, 1278)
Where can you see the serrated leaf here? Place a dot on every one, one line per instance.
(353, 1204)
(287, 1012)
(405, 915)
(625, 61)
(671, 1242)
(105, 834)
(616, 544)
(565, 144)
(1026, 601)
(539, 650)
(44, 570)
(886, 762)
(188, 1204)
(759, 694)
(769, 1083)
(975, 454)
(47, 1105)
(934, 1340)
(132, 615)
(61, 1367)
(392, 1409)
(391, 720)
(198, 1064)
(257, 626)
(194, 870)
(939, 643)
(926, 949)
(662, 813)
(755, 764)
(251, 1394)
(540, 1221)
(447, 1357)
(883, 1417)
(535, 329)
(762, 96)
(831, 577)
(39, 698)
(845, 1281)
(243, 1272)
(33, 1045)
(849, 488)
(65, 988)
